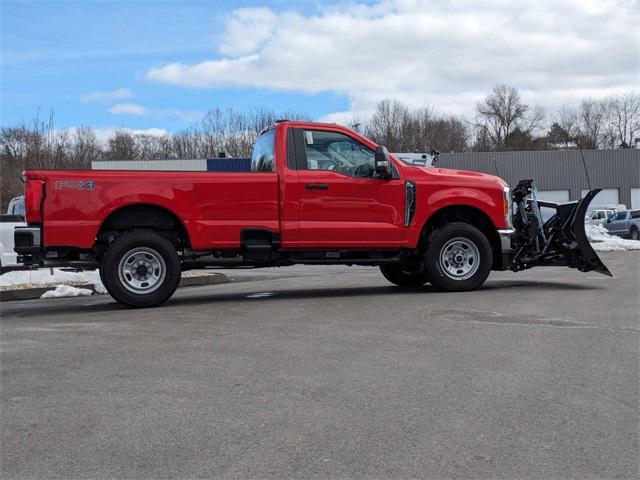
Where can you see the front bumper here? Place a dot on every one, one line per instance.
(505, 240)
(506, 251)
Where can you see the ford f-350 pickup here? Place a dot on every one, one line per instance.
(316, 194)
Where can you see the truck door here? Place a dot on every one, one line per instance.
(618, 223)
(342, 202)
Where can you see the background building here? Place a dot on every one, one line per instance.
(560, 174)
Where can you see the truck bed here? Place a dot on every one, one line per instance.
(213, 206)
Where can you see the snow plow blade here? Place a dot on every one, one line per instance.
(560, 241)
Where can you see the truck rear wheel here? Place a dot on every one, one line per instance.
(403, 278)
(458, 257)
(141, 269)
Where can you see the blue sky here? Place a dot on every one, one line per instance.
(55, 53)
(160, 65)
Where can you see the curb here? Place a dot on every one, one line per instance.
(36, 292)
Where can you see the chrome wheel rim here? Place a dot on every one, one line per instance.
(142, 270)
(459, 258)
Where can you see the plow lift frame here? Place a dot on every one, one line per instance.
(560, 241)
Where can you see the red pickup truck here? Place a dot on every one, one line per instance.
(316, 194)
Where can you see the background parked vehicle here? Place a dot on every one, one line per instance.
(624, 224)
(13, 218)
(419, 159)
(599, 216)
(16, 206)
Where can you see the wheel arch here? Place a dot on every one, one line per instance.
(143, 216)
(466, 214)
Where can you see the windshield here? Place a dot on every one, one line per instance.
(263, 157)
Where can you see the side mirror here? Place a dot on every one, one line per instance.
(382, 162)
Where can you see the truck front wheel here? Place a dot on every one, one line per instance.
(141, 269)
(458, 257)
(403, 278)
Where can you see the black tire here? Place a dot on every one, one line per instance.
(458, 257)
(634, 234)
(403, 278)
(141, 269)
(101, 271)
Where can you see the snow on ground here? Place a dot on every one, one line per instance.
(67, 291)
(602, 241)
(44, 278)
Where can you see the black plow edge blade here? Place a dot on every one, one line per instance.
(590, 261)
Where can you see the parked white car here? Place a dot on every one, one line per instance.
(599, 216)
(16, 206)
(420, 159)
(14, 218)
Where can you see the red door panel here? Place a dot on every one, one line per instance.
(341, 211)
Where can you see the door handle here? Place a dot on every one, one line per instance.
(317, 186)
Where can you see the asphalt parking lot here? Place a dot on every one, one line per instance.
(330, 372)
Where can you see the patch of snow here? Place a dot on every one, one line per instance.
(43, 278)
(67, 291)
(99, 288)
(602, 241)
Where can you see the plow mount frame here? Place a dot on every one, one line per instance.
(560, 241)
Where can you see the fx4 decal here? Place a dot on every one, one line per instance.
(75, 185)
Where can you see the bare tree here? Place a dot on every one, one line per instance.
(233, 132)
(85, 147)
(420, 130)
(152, 147)
(502, 111)
(591, 122)
(185, 144)
(387, 123)
(567, 120)
(13, 144)
(446, 134)
(36, 146)
(624, 117)
(122, 146)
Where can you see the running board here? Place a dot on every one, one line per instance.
(344, 257)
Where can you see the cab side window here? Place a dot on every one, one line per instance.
(338, 153)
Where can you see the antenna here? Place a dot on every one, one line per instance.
(495, 165)
(584, 164)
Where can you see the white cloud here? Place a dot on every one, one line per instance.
(129, 109)
(447, 55)
(138, 110)
(246, 30)
(106, 96)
